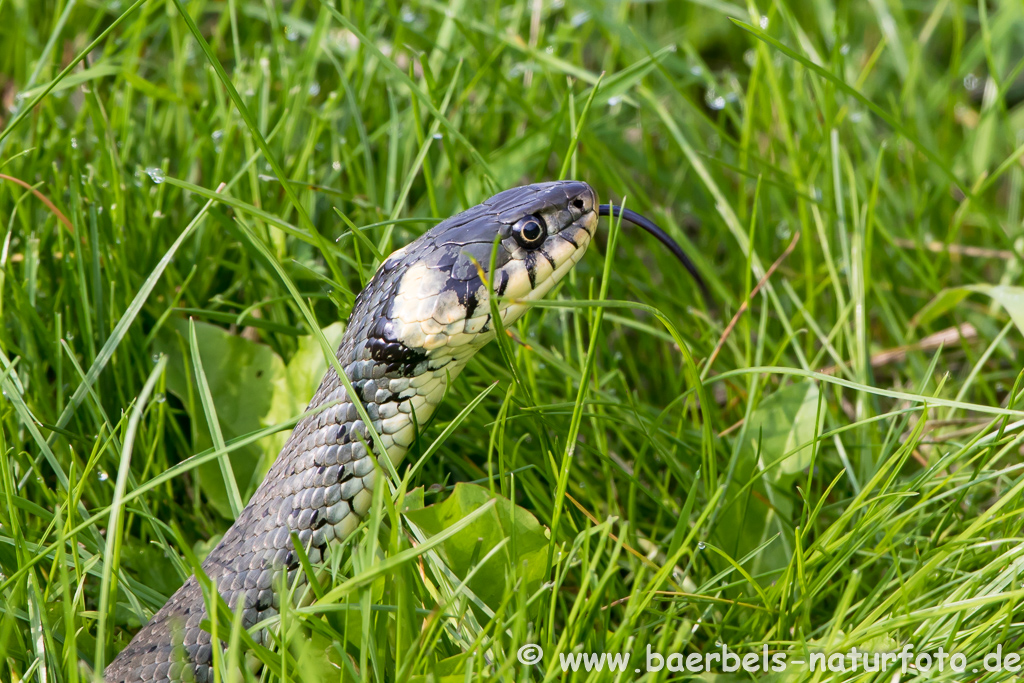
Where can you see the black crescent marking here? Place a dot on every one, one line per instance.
(471, 303)
(393, 354)
(531, 268)
(546, 255)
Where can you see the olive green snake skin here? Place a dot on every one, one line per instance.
(413, 328)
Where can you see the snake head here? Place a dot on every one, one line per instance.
(435, 292)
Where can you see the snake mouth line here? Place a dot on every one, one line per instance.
(650, 226)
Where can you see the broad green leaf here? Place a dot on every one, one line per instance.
(942, 303)
(783, 425)
(526, 551)
(783, 422)
(293, 386)
(413, 500)
(318, 657)
(240, 375)
(1010, 298)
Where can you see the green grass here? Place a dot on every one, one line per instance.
(846, 472)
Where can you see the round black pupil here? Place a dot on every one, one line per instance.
(531, 231)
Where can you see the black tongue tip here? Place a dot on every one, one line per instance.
(663, 237)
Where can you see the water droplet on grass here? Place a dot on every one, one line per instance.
(714, 100)
(155, 174)
(579, 19)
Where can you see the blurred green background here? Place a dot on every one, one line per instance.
(841, 466)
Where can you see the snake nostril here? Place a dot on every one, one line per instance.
(578, 203)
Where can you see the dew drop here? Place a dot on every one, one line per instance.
(155, 174)
(74, 143)
(314, 89)
(763, 22)
(439, 136)
(336, 165)
(103, 476)
(714, 100)
(971, 82)
(160, 398)
(702, 545)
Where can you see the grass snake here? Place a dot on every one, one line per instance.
(413, 328)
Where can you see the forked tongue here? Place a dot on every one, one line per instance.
(663, 237)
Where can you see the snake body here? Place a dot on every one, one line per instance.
(413, 328)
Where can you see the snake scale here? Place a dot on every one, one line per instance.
(413, 328)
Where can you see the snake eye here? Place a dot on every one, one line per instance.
(529, 232)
